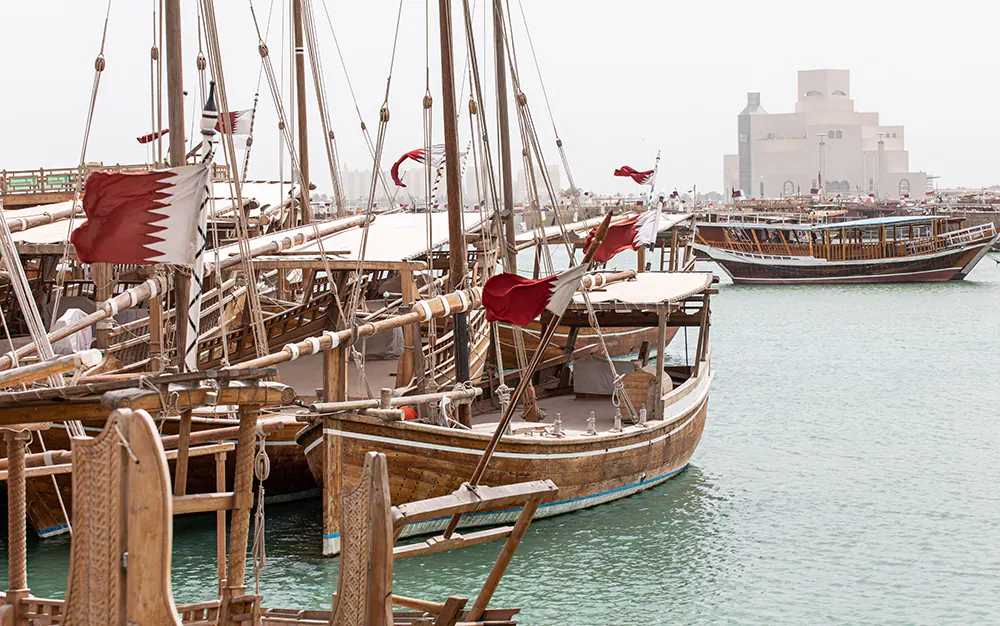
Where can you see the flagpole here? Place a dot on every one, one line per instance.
(649, 204)
(525, 381)
(209, 118)
(652, 181)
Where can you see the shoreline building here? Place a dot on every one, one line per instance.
(825, 141)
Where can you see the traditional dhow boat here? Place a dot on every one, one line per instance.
(594, 453)
(902, 249)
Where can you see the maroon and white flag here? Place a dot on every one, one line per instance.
(630, 234)
(152, 136)
(239, 122)
(642, 178)
(517, 300)
(144, 217)
(419, 155)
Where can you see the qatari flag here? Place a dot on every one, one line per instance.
(642, 178)
(630, 234)
(517, 300)
(419, 155)
(143, 217)
(152, 136)
(239, 121)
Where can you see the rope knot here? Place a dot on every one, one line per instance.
(99, 63)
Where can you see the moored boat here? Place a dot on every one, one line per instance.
(594, 453)
(902, 249)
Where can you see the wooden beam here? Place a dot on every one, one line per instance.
(203, 503)
(464, 500)
(440, 544)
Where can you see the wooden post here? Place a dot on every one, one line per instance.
(242, 500)
(183, 444)
(333, 485)
(303, 128)
(506, 555)
(182, 302)
(17, 558)
(456, 236)
(702, 336)
(155, 328)
(335, 390)
(220, 518)
(673, 250)
(641, 259)
(101, 273)
(661, 346)
(411, 333)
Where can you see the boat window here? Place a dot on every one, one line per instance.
(830, 135)
(840, 134)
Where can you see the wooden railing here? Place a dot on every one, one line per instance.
(865, 250)
(63, 180)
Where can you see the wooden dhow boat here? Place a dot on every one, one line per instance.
(901, 249)
(595, 453)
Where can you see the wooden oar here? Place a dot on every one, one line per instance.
(525, 380)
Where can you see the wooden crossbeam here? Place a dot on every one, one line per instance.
(440, 544)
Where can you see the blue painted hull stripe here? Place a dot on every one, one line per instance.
(54, 529)
(595, 495)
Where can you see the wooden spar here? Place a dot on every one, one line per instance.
(525, 381)
(59, 365)
(126, 300)
(305, 209)
(18, 224)
(456, 234)
(422, 311)
(356, 405)
(506, 176)
(290, 241)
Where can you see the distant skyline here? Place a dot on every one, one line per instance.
(622, 83)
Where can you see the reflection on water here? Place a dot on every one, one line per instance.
(848, 473)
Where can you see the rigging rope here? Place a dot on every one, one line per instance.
(215, 64)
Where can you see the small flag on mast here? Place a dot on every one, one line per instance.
(239, 122)
(419, 155)
(630, 234)
(642, 178)
(152, 136)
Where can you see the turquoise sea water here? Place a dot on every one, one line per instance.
(849, 473)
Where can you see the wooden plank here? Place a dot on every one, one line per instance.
(148, 598)
(440, 544)
(416, 604)
(203, 502)
(451, 612)
(220, 520)
(336, 265)
(661, 341)
(464, 500)
(67, 468)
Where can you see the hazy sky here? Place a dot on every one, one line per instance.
(625, 79)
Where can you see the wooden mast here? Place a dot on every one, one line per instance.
(456, 236)
(505, 171)
(305, 209)
(175, 118)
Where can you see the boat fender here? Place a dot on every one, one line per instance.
(409, 413)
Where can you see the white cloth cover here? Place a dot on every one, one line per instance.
(76, 342)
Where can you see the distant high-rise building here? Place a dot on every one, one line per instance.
(825, 141)
(522, 181)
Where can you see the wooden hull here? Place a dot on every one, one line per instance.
(290, 476)
(621, 342)
(745, 268)
(426, 461)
